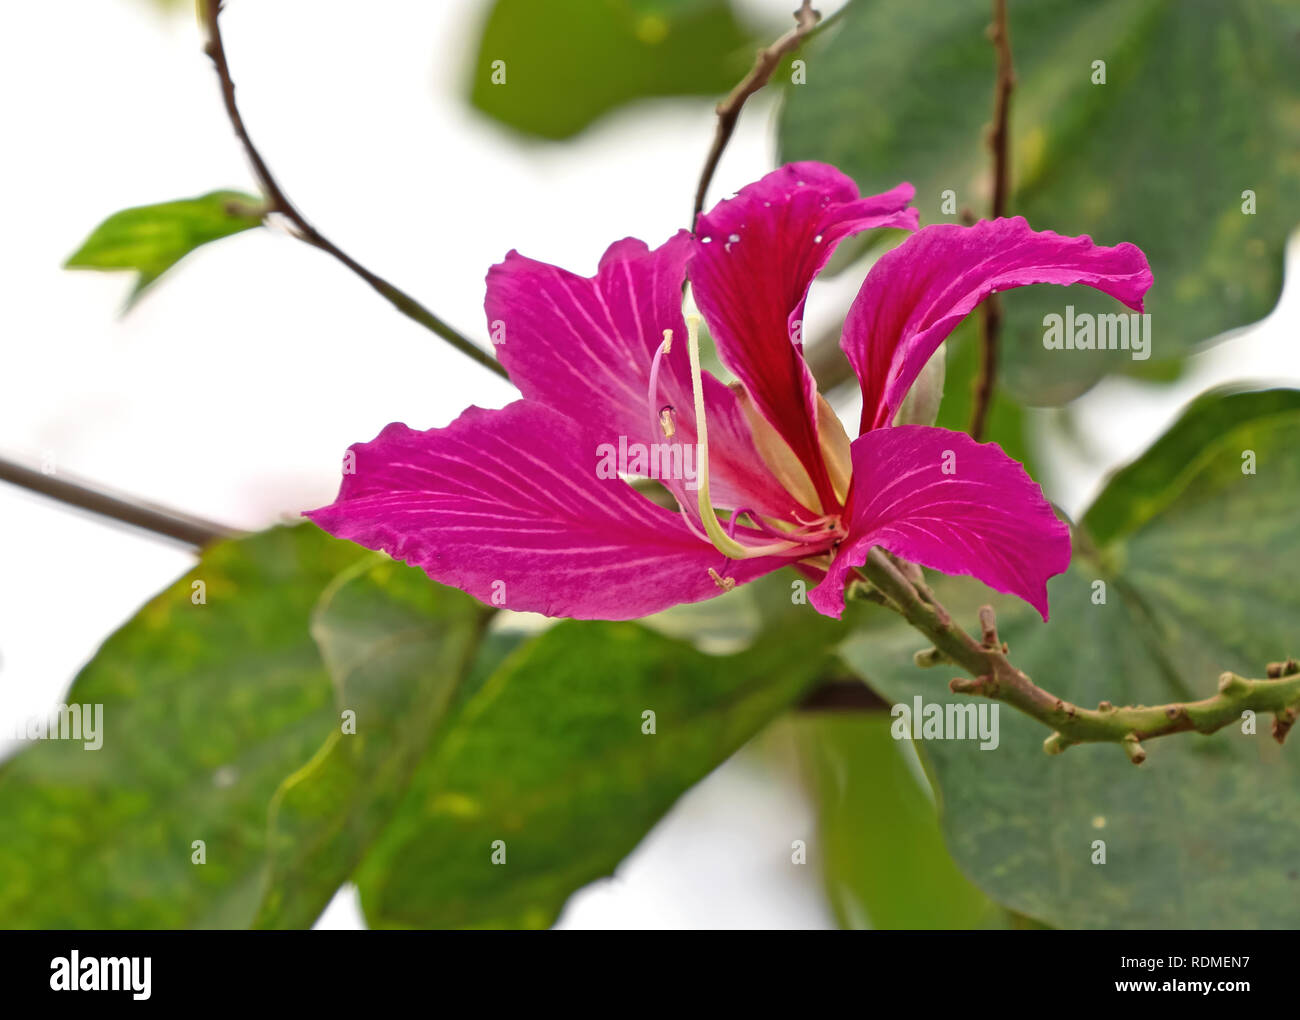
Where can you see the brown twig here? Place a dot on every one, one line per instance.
(991, 310)
(278, 202)
(986, 660)
(766, 63)
(185, 528)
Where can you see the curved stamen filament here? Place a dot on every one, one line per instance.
(723, 542)
(662, 419)
(805, 536)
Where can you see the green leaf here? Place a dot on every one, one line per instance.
(550, 758)
(150, 239)
(397, 646)
(1194, 557)
(1201, 103)
(207, 706)
(1006, 421)
(567, 62)
(883, 855)
(1142, 489)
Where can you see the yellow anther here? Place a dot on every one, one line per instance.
(725, 583)
(666, 422)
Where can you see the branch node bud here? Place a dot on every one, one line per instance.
(989, 627)
(965, 685)
(1282, 723)
(1133, 749)
(928, 657)
(1232, 685)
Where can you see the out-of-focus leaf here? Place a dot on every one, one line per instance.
(207, 706)
(1193, 556)
(1006, 420)
(150, 239)
(397, 646)
(550, 69)
(550, 759)
(1140, 490)
(1201, 104)
(882, 853)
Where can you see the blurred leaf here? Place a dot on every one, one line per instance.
(885, 862)
(1006, 421)
(206, 708)
(567, 62)
(1201, 103)
(1142, 489)
(550, 758)
(397, 646)
(150, 239)
(1205, 834)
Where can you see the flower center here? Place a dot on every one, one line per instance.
(820, 531)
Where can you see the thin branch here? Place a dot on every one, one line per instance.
(278, 202)
(185, 528)
(991, 311)
(995, 677)
(765, 65)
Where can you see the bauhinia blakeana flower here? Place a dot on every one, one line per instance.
(515, 501)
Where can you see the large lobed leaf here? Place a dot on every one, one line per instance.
(222, 720)
(206, 708)
(1201, 103)
(550, 759)
(1193, 552)
(398, 647)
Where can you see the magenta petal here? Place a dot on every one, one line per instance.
(507, 506)
(755, 258)
(940, 499)
(918, 292)
(584, 347)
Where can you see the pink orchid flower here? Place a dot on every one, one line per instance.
(521, 508)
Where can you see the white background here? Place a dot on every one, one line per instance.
(232, 389)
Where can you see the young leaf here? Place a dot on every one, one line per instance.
(150, 239)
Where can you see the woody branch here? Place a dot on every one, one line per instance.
(994, 676)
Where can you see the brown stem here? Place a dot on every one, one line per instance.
(765, 64)
(278, 202)
(193, 531)
(995, 677)
(991, 311)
